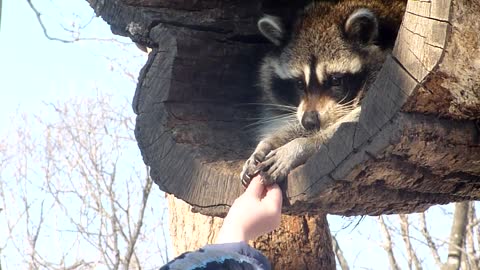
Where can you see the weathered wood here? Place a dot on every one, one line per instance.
(392, 155)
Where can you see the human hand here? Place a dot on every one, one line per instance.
(257, 211)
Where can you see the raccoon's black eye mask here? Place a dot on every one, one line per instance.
(336, 79)
(288, 91)
(300, 84)
(345, 86)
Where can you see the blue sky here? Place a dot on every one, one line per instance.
(34, 70)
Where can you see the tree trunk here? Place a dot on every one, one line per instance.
(190, 231)
(301, 242)
(457, 237)
(305, 239)
(413, 143)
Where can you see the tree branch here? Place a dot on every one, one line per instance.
(430, 243)
(411, 254)
(40, 21)
(133, 240)
(470, 245)
(338, 252)
(75, 33)
(387, 245)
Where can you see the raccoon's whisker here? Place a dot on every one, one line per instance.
(353, 101)
(268, 120)
(273, 119)
(287, 108)
(346, 106)
(344, 97)
(278, 109)
(263, 123)
(341, 111)
(293, 108)
(262, 120)
(287, 121)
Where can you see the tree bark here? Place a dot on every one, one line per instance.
(301, 242)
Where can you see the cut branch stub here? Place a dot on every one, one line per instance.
(395, 154)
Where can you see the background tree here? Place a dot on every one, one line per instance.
(444, 237)
(74, 191)
(77, 189)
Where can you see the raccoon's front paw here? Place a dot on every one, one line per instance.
(279, 162)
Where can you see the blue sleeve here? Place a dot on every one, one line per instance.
(245, 249)
(220, 256)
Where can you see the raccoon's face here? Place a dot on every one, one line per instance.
(323, 66)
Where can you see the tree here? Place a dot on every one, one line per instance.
(394, 156)
(458, 250)
(78, 190)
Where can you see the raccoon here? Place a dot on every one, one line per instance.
(316, 74)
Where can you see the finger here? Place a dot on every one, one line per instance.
(274, 197)
(256, 187)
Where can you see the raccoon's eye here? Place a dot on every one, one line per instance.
(300, 84)
(336, 79)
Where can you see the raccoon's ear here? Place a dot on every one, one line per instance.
(272, 28)
(361, 26)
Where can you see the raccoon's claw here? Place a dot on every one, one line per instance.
(246, 179)
(250, 169)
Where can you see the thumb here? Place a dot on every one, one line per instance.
(274, 197)
(256, 187)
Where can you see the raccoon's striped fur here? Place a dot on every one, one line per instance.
(317, 74)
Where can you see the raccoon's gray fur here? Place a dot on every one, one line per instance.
(315, 76)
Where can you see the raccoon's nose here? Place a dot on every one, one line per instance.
(311, 120)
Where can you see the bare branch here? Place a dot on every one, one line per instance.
(74, 32)
(338, 252)
(411, 254)
(387, 244)
(469, 243)
(431, 245)
(40, 21)
(139, 223)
